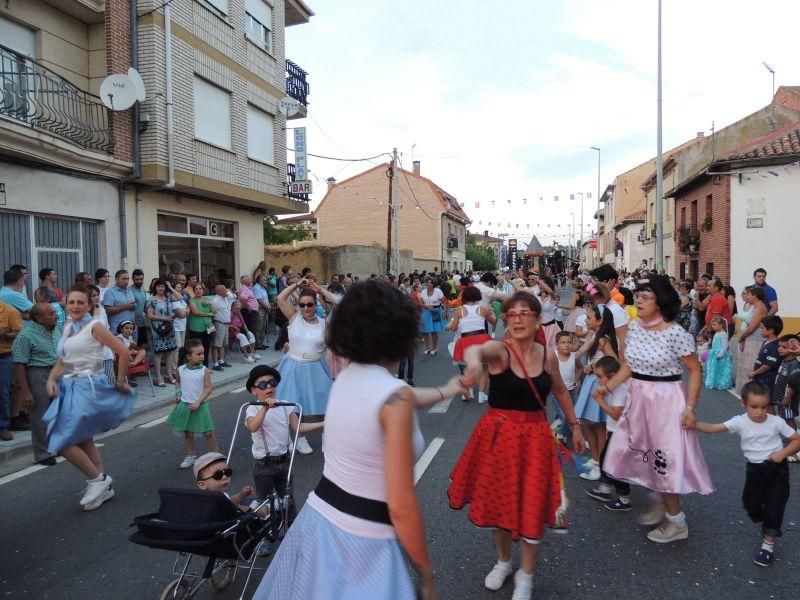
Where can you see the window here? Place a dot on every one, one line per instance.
(682, 272)
(710, 268)
(693, 215)
(259, 23)
(260, 136)
(212, 114)
(683, 216)
(220, 5)
(708, 206)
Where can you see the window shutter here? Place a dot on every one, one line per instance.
(20, 39)
(221, 5)
(212, 114)
(261, 11)
(260, 135)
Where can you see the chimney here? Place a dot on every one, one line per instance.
(416, 167)
(331, 181)
(701, 134)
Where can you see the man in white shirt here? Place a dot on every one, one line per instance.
(222, 301)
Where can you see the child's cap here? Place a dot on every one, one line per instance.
(261, 371)
(209, 458)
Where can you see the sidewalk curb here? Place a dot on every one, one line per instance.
(222, 386)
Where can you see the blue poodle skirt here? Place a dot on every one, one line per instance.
(307, 383)
(319, 561)
(86, 406)
(586, 408)
(428, 325)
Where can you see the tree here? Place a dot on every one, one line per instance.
(285, 234)
(482, 256)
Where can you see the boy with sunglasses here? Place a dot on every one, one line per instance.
(212, 473)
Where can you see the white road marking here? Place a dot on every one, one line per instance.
(238, 390)
(427, 458)
(20, 474)
(733, 392)
(153, 423)
(440, 407)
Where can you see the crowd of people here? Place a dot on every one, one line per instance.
(622, 356)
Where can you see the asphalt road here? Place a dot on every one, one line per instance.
(52, 550)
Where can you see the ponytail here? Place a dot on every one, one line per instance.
(606, 329)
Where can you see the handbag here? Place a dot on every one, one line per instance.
(163, 328)
(560, 521)
(437, 315)
(210, 329)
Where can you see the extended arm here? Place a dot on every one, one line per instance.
(711, 427)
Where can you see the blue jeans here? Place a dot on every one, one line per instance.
(6, 366)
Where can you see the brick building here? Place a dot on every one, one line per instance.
(431, 222)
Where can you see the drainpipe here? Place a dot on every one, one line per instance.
(168, 84)
(138, 228)
(123, 225)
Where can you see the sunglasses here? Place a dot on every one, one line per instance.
(217, 475)
(306, 304)
(268, 383)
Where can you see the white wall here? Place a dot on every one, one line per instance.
(775, 246)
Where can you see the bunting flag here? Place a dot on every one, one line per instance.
(492, 202)
(555, 198)
(541, 199)
(524, 200)
(572, 196)
(589, 195)
(477, 205)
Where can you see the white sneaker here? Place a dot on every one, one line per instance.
(106, 495)
(669, 532)
(188, 461)
(591, 463)
(256, 356)
(249, 359)
(482, 398)
(523, 586)
(303, 447)
(95, 489)
(497, 576)
(593, 474)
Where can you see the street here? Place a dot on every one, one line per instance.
(53, 550)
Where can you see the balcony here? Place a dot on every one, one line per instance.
(452, 243)
(297, 86)
(40, 99)
(689, 240)
(291, 176)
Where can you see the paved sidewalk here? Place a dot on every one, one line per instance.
(147, 401)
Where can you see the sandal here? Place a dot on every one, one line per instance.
(159, 384)
(170, 380)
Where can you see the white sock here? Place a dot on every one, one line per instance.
(679, 519)
(604, 488)
(98, 479)
(768, 546)
(504, 563)
(625, 499)
(523, 577)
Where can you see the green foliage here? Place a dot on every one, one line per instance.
(275, 236)
(482, 256)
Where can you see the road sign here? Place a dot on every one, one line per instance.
(300, 187)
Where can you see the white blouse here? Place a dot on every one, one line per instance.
(657, 353)
(435, 299)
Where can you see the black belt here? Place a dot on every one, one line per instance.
(273, 460)
(363, 508)
(643, 377)
(5, 354)
(549, 323)
(469, 333)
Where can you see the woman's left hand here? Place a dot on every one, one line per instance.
(124, 387)
(578, 442)
(455, 387)
(689, 419)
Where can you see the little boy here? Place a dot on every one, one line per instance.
(784, 403)
(766, 486)
(765, 368)
(212, 473)
(569, 369)
(605, 369)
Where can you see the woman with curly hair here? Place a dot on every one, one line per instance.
(351, 538)
(655, 445)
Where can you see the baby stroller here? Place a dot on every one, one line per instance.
(200, 523)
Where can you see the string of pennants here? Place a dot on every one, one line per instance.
(524, 201)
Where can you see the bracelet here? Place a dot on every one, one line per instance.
(690, 407)
(574, 423)
(441, 394)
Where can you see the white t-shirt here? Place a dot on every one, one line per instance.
(581, 322)
(223, 306)
(759, 440)
(273, 436)
(435, 299)
(619, 314)
(179, 324)
(617, 398)
(567, 370)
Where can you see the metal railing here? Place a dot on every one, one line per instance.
(296, 84)
(36, 96)
(291, 175)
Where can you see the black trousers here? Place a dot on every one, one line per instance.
(283, 323)
(622, 488)
(401, 369)
(271, 477)
(765, 494)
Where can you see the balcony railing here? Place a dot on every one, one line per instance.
(291, 173)
(296, 83)
(41, 99)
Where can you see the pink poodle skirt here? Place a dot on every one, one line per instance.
(550, 333)
(650, 448)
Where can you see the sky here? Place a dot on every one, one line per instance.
(501, 101)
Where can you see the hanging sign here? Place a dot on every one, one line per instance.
(300, 158)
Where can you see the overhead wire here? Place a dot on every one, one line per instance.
(402, 170)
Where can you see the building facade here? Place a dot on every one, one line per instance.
(431, 222)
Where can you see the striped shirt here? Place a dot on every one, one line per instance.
(36, 347)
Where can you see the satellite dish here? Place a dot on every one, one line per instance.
(289, 106)
(138, 84)
(118, 92)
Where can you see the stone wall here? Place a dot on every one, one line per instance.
(325, 261)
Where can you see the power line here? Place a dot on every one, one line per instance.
(402, 170)
(367, 159)
(155, 9)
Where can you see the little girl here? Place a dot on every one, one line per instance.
(719, 365)
(192, 389)
(703, 349)
(245, 337)
(125, 333)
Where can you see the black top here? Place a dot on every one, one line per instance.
(509, 392)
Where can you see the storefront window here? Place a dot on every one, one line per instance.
(217, 260)
(198, 226)
(177, 255)
(171, 223)
(196, 245)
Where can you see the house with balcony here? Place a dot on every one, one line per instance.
(431, 223)
(181, 181)
(628, 237)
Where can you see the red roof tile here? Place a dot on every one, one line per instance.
(781, 143)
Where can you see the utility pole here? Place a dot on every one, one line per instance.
(392, 226)
(659, 163)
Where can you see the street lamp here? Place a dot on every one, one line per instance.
(571, 238)
(598, 193)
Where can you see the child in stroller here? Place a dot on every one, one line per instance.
(212, 473)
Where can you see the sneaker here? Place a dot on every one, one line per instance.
(225, 364)
(95, 489)
(618, 506)
(410, 382)
(107, 494)
(303, 447)
(764, 558)
(497, 576)
(264, 549)
(217, 368)
(249, 359)
(654, 515)
(669, 532)
(523, 586)
(591, 474)
(188, 461)
(591, 463)
(599, 494)
(482, 398)
(256, 356)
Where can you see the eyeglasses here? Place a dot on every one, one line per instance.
(217, 475)
(306, 304)
(645, 296)
(522, 314)
(273, 383)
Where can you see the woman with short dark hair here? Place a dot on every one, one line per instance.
(363, 514)
(432, 299)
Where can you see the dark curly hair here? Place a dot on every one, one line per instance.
(667, 299)
(471, 294)
(375, 322)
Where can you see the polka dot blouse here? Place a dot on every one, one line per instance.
(657, 353)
